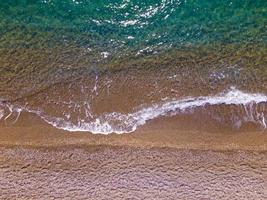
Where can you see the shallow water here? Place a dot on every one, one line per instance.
(103, 66)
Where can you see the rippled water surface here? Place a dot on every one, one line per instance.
(112, 66)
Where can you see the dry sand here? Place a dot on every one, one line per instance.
(105, 172)
(40, 162)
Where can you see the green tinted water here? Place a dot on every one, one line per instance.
(85, 65)
(129, 23)
(48, 41)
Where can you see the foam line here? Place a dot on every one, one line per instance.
(126, 123)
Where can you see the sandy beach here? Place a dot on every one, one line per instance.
(41, 162)
(108, 172)
(131, 100)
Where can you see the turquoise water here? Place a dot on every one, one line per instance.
(52, 38)
(130, 25)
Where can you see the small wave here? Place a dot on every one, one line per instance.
(120, 123)
(126, 123)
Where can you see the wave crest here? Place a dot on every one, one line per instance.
(125, 123)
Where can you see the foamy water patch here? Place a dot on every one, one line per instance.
(9, 113)
(125, 123)
(252, 105)
(2, 113)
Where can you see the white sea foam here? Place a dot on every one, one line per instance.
(105, 54)
(126, 123)
(128, 22)
(2, 113)
(8, 111)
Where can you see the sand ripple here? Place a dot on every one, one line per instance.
(121, 173)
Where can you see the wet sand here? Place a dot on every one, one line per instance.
(171, 132)
(40, 162)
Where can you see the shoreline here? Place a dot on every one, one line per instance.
(30, 130)
(145, 137)
(41, 162)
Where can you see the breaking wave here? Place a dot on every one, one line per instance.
(248, 108)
